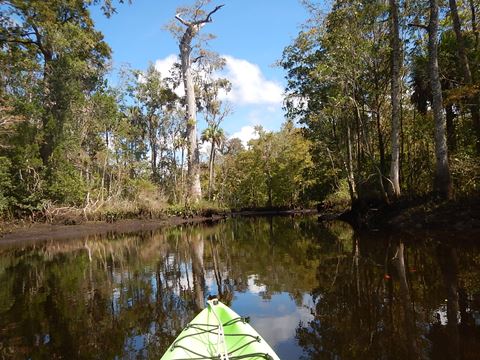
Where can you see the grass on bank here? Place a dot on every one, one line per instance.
(118, 210)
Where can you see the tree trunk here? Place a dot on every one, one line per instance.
(192, 29)
(210, 170)
(48, 118)
(175, 175)
(182, 175)
(269, 190)
(381, 143)
(465, 67)
(193, 155)
(442, 183)
(153, 152)
(474, 22)
(104, 170)
(213, 170)
(395, 94)
(461, 52)
(351, 176)
(451, 138)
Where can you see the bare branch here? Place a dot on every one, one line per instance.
(207, 19)
(186, 23)
(209, 16)
(421, 26)
(197, 58)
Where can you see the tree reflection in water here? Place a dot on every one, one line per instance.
(321, 291)
(403, 304)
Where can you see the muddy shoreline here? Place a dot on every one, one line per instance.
(30, 233)
(37, 232)
(449, 217)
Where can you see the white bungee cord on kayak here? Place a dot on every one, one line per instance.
(221, 343)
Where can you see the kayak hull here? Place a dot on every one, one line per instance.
(202, 338)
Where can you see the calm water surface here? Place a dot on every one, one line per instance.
(312, 291)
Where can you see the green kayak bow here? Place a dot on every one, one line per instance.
(217, 332)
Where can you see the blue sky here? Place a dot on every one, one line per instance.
(251, 34)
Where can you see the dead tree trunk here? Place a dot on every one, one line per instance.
(194, 189)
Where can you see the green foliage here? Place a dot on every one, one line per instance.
(66, 183)
(140, 189)
(202, 208)
(340, 197)
(338, 73)
(466, 174)
(54, 59)
(5, 183)
(26, 168)
(337, 87)
(273, 171)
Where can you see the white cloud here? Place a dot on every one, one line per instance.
(246, 133)
(164, 66)
(249, 85)
(204, 148)
(285, 327)
(253, 287)
(276, 319)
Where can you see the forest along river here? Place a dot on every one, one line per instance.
(313, 291)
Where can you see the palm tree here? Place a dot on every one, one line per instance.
(216, 136)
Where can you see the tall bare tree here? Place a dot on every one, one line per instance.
(192, 27)
(443, 182)
(396, 65)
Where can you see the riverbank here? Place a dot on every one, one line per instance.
(405, 215)
(418, 214)
(273, 212)
(31, 232)
(35, 232)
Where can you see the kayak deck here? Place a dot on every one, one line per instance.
(217, 332)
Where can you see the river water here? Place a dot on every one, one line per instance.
(313, 291)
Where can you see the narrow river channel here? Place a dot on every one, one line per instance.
(313, 291)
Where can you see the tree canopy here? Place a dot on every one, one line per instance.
(362, 105)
